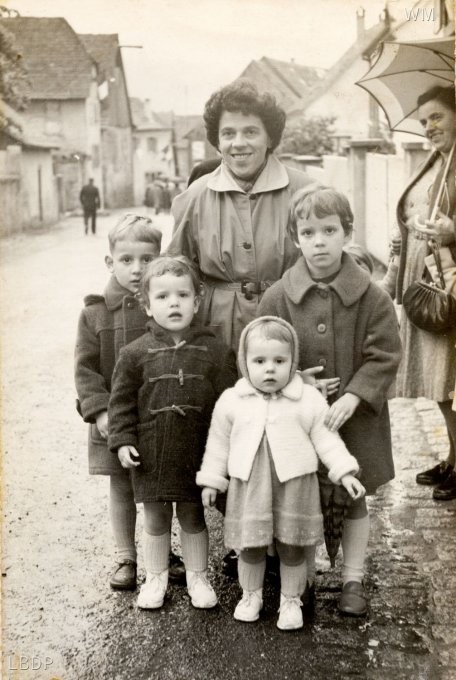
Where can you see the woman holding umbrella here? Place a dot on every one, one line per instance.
(428, 367)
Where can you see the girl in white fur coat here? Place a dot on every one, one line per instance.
(266, 436)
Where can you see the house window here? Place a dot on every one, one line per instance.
(152, 144)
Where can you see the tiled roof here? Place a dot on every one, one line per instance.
(103, 49)
(361, 48)
(287, 80)
(145, 119)
(56, 60)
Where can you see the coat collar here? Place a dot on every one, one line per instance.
(291, 391)
(193, 332)
(274, 176)
(350, 284)
(114, 294)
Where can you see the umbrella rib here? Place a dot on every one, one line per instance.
(411, 70)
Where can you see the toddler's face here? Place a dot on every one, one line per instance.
(268, 363)
(172, 302)
(128, 261)
(321, 240)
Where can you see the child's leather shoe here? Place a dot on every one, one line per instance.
(249, 607)
(176, 569)
(200, 590)
(353, 601)
(124, 576)
(153, 591)
(290, 613)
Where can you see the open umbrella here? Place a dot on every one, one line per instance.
(403, 71)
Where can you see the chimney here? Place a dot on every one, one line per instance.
(360, 16)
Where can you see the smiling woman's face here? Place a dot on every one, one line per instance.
(438, 122)
(243, 142)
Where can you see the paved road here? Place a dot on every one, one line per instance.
(60, 618)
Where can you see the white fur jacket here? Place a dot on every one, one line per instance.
(294, 426)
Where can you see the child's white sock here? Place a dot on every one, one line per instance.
(195, 550)
(122, 511)
(156, 552)
(251, 576)
(355, 538)
(293, 579)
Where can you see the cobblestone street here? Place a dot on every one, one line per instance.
(60, 618)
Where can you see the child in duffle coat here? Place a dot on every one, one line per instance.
(165, 385)
(107, 323)
(347, 325)
(266, 436)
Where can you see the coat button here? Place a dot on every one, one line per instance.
(322, 362)
(321, 328)
(247, 245)
(252, 197)
(129, 305)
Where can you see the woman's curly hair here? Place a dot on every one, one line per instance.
(242, 96)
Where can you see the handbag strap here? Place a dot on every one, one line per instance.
(438, 261)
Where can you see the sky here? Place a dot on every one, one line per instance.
(189, 48)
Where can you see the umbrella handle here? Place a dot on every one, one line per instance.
(438, 198)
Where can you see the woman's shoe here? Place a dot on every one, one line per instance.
(446, 491)
(435, 475)
(124, 576)
(353, 601)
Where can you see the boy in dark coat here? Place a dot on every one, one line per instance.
(107, 323)
(346, 325)
(164, 389)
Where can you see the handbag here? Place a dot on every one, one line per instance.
(428, 305)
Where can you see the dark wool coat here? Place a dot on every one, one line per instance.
(106, 324)
(348, 326)
(161, 403)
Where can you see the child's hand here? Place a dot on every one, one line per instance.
(327, 386)
(102, 424)
(125, 454)
(353, 486)
(208, 496)
(341, 411)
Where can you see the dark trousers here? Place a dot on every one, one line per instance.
(90, 213)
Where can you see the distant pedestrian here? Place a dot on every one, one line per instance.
(267, 435)
(346, 324)
(165, 385)
(106, 324)
(90, 200)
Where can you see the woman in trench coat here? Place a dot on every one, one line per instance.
(233, 222)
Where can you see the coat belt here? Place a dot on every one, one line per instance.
(246, 287)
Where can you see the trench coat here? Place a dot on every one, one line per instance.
(106, 324)
(349, 327)
(234, 237)
(428, 367)
(161, 403)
